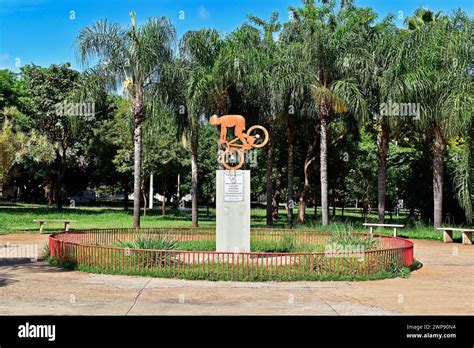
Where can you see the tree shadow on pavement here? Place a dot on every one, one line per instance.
(30, 265)
(6, 281)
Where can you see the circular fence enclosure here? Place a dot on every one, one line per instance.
(97, 250)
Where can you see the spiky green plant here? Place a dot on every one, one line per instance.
(150, 243)
(155, 244)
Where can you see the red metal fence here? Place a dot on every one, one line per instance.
(97, 251)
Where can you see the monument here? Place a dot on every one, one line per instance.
(233, 184)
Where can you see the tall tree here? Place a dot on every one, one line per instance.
(17, 145)
(199, 51)
(52, 106)
(134, 57)
(12, 143)
(328, 35)
(300, 108)
(11, 89)
(378, 66)
(441, 84)
(264, 66)
(295, 82)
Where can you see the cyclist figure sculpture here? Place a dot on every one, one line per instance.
(229, 121)
(256, 136)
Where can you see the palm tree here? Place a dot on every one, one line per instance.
(378, 65)
(251, 59)
(327, 37)
(296, 93)
(199, 51)
(134, 57)
(261, 59)
(440, 82)
(421, 18)
(300, 107)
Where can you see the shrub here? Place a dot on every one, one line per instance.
(54, 261)
(45, 253)
(148, 242)
(347, 238)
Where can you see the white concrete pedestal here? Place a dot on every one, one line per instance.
(233, 210)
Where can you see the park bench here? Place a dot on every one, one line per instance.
(394, 226)
(448, 234)
(43, 221)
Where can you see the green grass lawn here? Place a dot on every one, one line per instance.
(19, 219)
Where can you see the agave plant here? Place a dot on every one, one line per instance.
(150, 243)
(154, 244)
(346, 238)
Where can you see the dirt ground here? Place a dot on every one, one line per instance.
(442, 286)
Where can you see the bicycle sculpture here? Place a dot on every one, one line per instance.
(233, 156)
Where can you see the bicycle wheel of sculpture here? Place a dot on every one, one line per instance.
(232, 159)
(260, 134)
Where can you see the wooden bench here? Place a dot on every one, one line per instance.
(394, 226)
(448, 234)
(43, 221)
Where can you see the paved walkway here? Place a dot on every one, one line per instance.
(444, 285)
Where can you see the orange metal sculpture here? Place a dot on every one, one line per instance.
(255, 137)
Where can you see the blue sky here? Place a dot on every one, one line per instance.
(44, 31)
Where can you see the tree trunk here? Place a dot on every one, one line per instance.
(269, 176)
(290, 193)
(138, 113)
(50, 192)
(315, 200)
(125, 194)
(439, 149)
(305, 192)
(324, 164)
(144, 197)
(365, 210)
(59, 182)
(276, 197)
(163, 201)
(302, 205)
(177, 189)
(382, 143)
(194, 177)
(151, 191)
(59, 198)
(208, 198)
